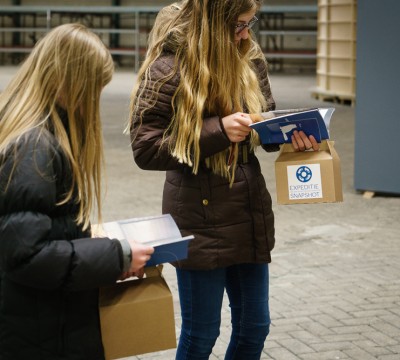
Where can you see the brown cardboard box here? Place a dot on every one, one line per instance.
(309, 176)
(137, 316)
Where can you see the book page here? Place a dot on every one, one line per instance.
(160, 231)
(326, 114)
(275, 113)
(113, 230)
(154, 230)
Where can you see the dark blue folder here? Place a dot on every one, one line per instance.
(160, 231)
(279, 129)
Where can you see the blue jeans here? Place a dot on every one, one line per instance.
(201, 294)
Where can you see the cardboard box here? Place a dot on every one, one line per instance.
(308, 177)
(137, 316)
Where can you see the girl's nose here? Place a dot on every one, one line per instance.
(244, 34)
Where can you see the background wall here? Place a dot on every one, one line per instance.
(377, 116)
(287, 33)
(134, 2)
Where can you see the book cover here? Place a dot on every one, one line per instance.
(277, 126)
(161, 232)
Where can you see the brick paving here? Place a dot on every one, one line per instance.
(334, 276)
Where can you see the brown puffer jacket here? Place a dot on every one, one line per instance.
(231, 225)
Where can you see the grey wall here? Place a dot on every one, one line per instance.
(377, 139)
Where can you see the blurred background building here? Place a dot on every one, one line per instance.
(295, 35)
(316, 37)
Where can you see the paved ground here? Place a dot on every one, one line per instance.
(334, 286)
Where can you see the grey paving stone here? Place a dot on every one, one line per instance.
(328, 355)
(372, 348)
(357, 353)
(331, 346)
(280, 354)
(380, 338)
(296, 346)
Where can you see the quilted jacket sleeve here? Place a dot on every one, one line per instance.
(39, 244)
(149, 151)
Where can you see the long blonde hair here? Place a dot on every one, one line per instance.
(68, 67)
(217, 76)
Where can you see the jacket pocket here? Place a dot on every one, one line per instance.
(188, 200)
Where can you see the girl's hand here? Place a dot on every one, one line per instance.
(302, 142)
(237, 126)
(141, 254)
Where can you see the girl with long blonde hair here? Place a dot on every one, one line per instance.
(203, 77)
(51, 158)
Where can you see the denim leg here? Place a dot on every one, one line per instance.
(200, 295)
(247, 288)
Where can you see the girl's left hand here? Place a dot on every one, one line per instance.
(302, 142)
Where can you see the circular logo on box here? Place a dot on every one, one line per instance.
(304, 174)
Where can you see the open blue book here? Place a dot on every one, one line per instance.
(161, 232)
(277, 126)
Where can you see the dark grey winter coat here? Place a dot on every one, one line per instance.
(50, 268)
(231, 225)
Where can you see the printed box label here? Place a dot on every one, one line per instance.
(304, 181)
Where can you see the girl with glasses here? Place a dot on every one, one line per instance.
(204, 74)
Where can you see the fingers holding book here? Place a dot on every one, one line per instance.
(141, 254)
(237, 126)
(302, 142)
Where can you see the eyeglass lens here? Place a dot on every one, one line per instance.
(241, 27)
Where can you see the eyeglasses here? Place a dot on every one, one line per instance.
(240, 27)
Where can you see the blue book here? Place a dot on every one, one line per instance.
(277, 126)
(161, 232)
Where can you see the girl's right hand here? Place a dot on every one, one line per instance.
(237, 126)
(141, 254)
